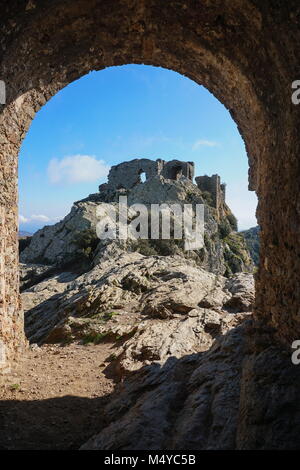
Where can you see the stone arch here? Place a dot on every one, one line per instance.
(46, 45)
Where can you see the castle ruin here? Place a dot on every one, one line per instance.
(126, 175)
(217, 190)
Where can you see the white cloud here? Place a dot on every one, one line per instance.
(40, 218)
(204, 143)
(77, 169)
(35, 218)
(22, 219)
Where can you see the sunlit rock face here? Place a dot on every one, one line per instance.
(223, 252)
(247, 54)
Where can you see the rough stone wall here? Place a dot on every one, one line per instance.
(212, 184)
(246, 52)
(12, 340)
(175, 169)
(127, 174)
(223, 191)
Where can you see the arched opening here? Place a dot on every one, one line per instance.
(84, 163)
(47, 267)
(143, 176)
(215, 46)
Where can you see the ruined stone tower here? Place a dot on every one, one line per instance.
(212, 184)
(126, 175)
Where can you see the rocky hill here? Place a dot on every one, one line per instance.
(166, 312)
(73, 242)
(24, 234)
(252, 241)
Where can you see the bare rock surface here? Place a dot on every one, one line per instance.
(175, 323)
(224, 250)
(241, 393)
(242, 290)
(183, 351)
(55, 244)
(177, 351)
(150, 287)
(186, 403)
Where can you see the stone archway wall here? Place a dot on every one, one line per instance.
(243, 51)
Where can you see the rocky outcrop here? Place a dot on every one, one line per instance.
(252, 241)
(179, 345)
(185, 351)
(241, 393)
(73, 241)
(56, 244)
(188, 403)
(215, 44)
(153, 287)
(164, 309)
(176, 318)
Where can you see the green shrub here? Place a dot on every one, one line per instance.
(15, 387)
(224, 229)
(86, 241)
(233, 221)
(94, 338)
(166, 247)
(158, 247)
(144, 248)
(109, 315)
(207, 241)
(252, 240)
(207, 198)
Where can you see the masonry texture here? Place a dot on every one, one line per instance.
(246, 52)
(212, 184)
(128, 174)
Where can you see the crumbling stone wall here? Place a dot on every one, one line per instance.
(246, 52)
(128, 174)
(212, 184)
(175, 169)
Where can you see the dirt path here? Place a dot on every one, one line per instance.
(55, 398)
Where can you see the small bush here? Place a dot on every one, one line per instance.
(109, 315)
(112, 357)
(94, 338)
(233, 222)
(207, 198)
(87, 242)
(166, 247)
(15, 387)
(144, 248)
(224, 229)
(158, 247)
(207, 241)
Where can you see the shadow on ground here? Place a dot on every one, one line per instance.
(242, 393)
(55, 423)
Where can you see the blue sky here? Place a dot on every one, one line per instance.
(119, 114)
